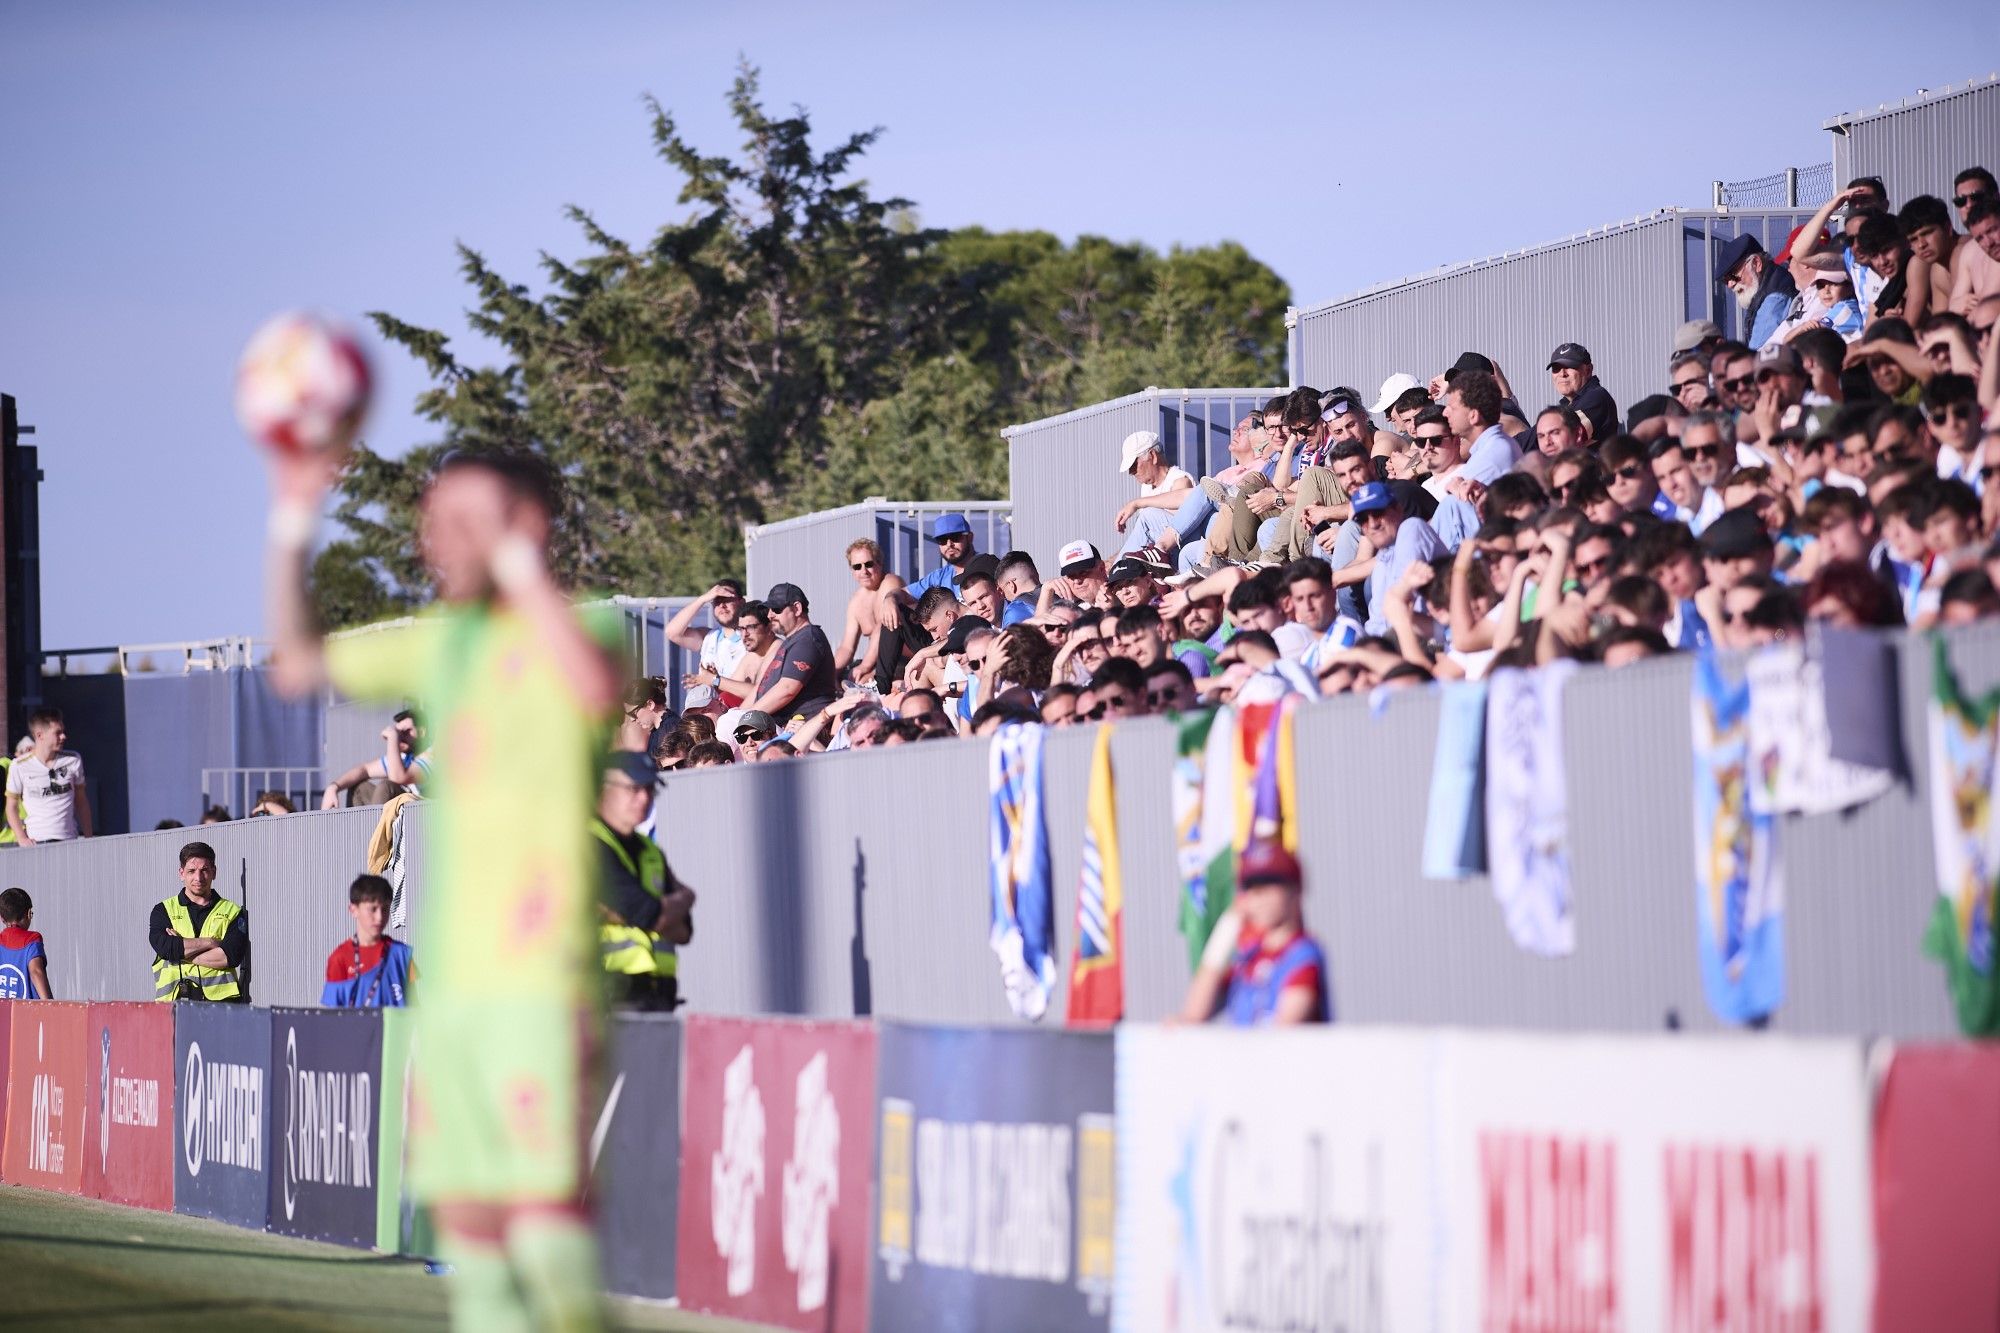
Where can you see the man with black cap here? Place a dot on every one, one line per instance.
(1735, 547)
(799, 678)
(1763, 290)
(645, 911)
(1576, 380)
(1132, 583)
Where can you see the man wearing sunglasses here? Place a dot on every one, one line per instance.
(1694, 504)
(952, 535)
(1975, 264)
(867, 609)
(720, 650)
(1951, 408)
(1576, 381)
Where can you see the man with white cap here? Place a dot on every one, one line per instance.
(1162, 487)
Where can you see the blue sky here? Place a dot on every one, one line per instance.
(169, 175)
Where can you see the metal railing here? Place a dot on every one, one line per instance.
(236, 789)
(127, 659)
(1794, 187)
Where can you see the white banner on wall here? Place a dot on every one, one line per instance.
(1354, 1178)
(1658, 1182)
(1273, 1180)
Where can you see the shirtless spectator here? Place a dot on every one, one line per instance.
(867, 609)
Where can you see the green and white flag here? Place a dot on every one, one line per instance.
(1966, 839)
(1205, 782)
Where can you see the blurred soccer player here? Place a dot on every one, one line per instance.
(518, 693)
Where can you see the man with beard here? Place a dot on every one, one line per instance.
(1763, 290)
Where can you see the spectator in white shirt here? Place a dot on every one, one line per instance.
(1161, 490)
(721, 648)
(46, 801)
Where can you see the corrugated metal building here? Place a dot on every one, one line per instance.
(1620, 290)
(1917, 145)
(1064, 469)
(810, 550)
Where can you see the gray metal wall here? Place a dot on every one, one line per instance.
(874, 898)
(1918, 145)
(810, 550)
(1621, 291)
(1064, 469)
(855, 883)
(94, 898)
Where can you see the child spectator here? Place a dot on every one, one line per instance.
(368, 970)
(24, 963)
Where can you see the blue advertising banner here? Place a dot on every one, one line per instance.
(635, 1156)
(326, 1065)
(995, 1193)
(222, 1112)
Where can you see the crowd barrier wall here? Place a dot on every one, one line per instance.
(1917, 145)
(810, 550)
(1063, 470)
(850, 1176)
(1620, 290)
(863, 890)
(94, 898)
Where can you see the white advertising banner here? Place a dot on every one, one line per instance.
(1274, 1180)
(1675, 1183)
(1353, 1178)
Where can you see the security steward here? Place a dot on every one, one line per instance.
(645, 910)
(199, 938)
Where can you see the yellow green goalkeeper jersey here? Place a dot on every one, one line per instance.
(507, 898)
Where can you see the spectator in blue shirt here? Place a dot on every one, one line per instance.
(1399, 542)
(953, 535)
(1472, 409)
(1764, 290)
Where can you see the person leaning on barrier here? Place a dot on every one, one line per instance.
(405, 762)
(199, 938)
(646, 911)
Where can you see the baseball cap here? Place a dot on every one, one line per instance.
(1569, 356)
(1076, 557)
(1735, 534)
(783, 595)
(756, 720)
(985, 563)
(1393, 388)
(1468, 361)
(1135, 447)
(1370, 497)
(1734, 253)
(1268, 863)
(1127, 569)
(1694, 333)
(949, 525)
(961, 630)
(634, 767)
(1776, 357)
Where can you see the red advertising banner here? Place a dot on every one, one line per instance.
(776, 1154)
(128, 1144)
(1937, 1188)
(47, 1095)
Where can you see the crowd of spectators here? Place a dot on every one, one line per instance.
(1839, 463)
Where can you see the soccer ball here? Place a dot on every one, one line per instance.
(302, 385)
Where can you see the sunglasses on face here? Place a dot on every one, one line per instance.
(1561, 491)
(1967, 200)
(1630, 472)
(1956, 412)
(1740, 383)
(1429, 442)
(1704, 451)
(1682, 386)
(1989, 472)
(1592, 568)
(865, 564)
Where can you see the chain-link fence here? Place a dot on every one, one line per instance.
(1791, 188)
